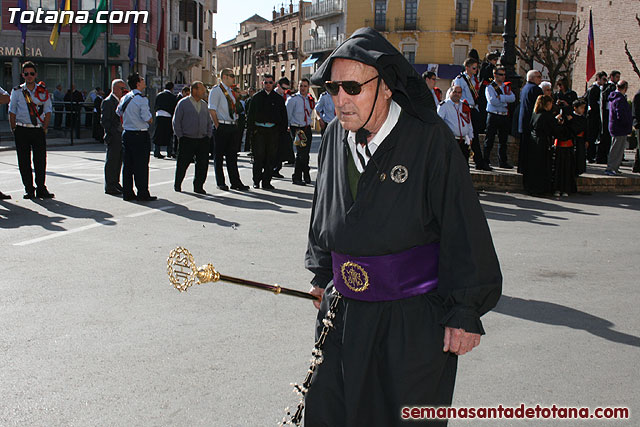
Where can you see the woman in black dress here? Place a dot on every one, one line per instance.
(537, 178)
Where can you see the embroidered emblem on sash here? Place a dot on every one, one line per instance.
(399, 174)
(354, 276)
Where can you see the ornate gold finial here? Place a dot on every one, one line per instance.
(183, 272)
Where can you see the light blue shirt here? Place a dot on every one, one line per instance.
(137, 113)
(498, 103)
(466, 91)
(299, 110)
(18, 105)
(325, 108)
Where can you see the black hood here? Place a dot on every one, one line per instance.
(408, 89)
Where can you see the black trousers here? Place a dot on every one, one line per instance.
(477, 123)
(28, 141)
(113, 162)
(496, 124)
(264, 146)
(226, 148)
(57, 121)
(187, 148)
(135, 154)
(379, 358)
(464, 148)
(302, 153)
(163, 135)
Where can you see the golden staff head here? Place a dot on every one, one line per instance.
(183, 272)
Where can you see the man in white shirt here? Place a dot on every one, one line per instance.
(457, 115)
(222, 107)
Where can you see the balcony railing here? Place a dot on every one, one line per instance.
(280, 47)
(495, 28)
(404, 25)
(470, 26)
(272, 50)
(323, 8)
(291, 46)
(321, 44)
(377, 24)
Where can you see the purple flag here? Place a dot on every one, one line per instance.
(132, 40)
(22, 4)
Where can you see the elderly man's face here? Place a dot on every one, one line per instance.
(537, 78)
(353, 110)
(546, 90)
(456, 94)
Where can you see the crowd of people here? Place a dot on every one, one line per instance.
(559, 132)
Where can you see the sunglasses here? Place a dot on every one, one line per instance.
(268, 83)
(500, 74)
(350, 87)
(30, 73)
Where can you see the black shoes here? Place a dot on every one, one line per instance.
(277, 175)
(298, 182)
(113, 192)
(4, 196)
(256, 185)
(29, 195)
(240, 187)
(268, 186)
(44, 194)
(177, 189)
(506, 166)
(307, 178)
(199, 191)
(223, 187)
(147, 198)
(158, 156)
(129, 198)
(484, 168)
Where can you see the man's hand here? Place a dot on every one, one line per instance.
(319, 292)
(458, 341)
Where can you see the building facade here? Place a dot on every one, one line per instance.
(613, 24)
(283, 57)
(254, 36)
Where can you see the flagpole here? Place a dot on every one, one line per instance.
(105, 79)
(71, 111)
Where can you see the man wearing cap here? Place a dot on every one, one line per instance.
(29, 116)
(396, 228)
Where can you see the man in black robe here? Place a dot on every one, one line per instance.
(397, 229)
(528, 96)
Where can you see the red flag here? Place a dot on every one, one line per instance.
(591, 54)
(160, 47)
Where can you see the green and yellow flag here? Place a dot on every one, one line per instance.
(91, 32)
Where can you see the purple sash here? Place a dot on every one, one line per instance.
(387, 277)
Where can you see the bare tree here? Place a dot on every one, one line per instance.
(555, 51)
(626, 50)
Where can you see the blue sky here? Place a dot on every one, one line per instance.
(232, 12)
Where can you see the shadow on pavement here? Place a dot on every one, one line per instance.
(62, 208)
(13, 215)
(184, 212)
(531, 210)
(245, 204)
(560, 315)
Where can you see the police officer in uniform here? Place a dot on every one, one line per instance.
(136, 144)
(29, 115)
(499, 96)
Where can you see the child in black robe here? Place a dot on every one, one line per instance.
(578, 125)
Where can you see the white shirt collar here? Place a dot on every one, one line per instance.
(378, 138)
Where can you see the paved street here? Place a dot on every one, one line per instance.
(93, 334)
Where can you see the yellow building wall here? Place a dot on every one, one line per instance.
(435, 41)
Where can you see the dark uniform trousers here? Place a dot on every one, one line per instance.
(477, 123)
(163, 135)
(226, 149)
(499, 124)
(302, 153)
(136, 146)
(113, 163)
(28, 140)
(264, 146)
(187, 148)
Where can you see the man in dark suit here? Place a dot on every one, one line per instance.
(528, 96)
(163, 135)
(593, 115)
(113, 138)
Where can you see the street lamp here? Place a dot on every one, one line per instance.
(508, 57)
